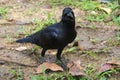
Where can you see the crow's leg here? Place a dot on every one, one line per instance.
(59, 58)
(42, 54)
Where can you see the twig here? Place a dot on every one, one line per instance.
(21, 64)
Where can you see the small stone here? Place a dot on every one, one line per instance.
(21, 48)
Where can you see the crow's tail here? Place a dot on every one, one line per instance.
(25, 40)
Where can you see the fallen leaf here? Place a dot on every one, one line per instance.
(114, 28)
(77, 27)
(109, 65)
(107, 10)
(75, 69)
(50, 66)
(105, 67)
(78, 44)
(21, 48)
(114, 13)
(114, 63)
(75, 43)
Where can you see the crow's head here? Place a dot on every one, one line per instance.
(68, 15)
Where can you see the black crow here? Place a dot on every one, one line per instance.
(55, 36)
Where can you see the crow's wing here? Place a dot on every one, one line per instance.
(46, 37)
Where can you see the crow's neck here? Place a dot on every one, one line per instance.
(69, 24)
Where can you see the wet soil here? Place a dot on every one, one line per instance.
(20, 14)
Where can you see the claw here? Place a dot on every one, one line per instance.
(41, 60)
(63, 65)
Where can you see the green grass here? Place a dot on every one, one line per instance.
(26, 30)
(84, 5)
(75, 3)
(108, 74)
(39, 24)
(71, 49)
(8, 39)
(115, 10)
(114, 41)
(31, 11)
(3, 11)
(57, 76)
(98, 16)
(44, 23)
(90, 71)
(116, 20)
(17, 74)
(89, 5)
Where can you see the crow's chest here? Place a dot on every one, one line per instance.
(68, 36)
(71, 35)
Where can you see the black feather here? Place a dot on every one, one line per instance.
(55, 36)
(25, 40)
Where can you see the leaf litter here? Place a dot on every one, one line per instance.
(109, 66)
(48, 66)
(74, 68)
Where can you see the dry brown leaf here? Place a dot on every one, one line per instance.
(105, 67)
(75, 69)
(21, 48)
(77, 27)
(114, 63)
(107, 10)
(114, 28)
(75, 43)
(47, 65)
(78, 44)
(109, 65)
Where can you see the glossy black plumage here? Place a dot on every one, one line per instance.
(55, 36)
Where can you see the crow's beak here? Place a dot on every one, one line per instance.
(70, 15)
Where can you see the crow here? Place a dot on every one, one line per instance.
(55, 36)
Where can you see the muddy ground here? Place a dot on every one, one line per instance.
(20, 14)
